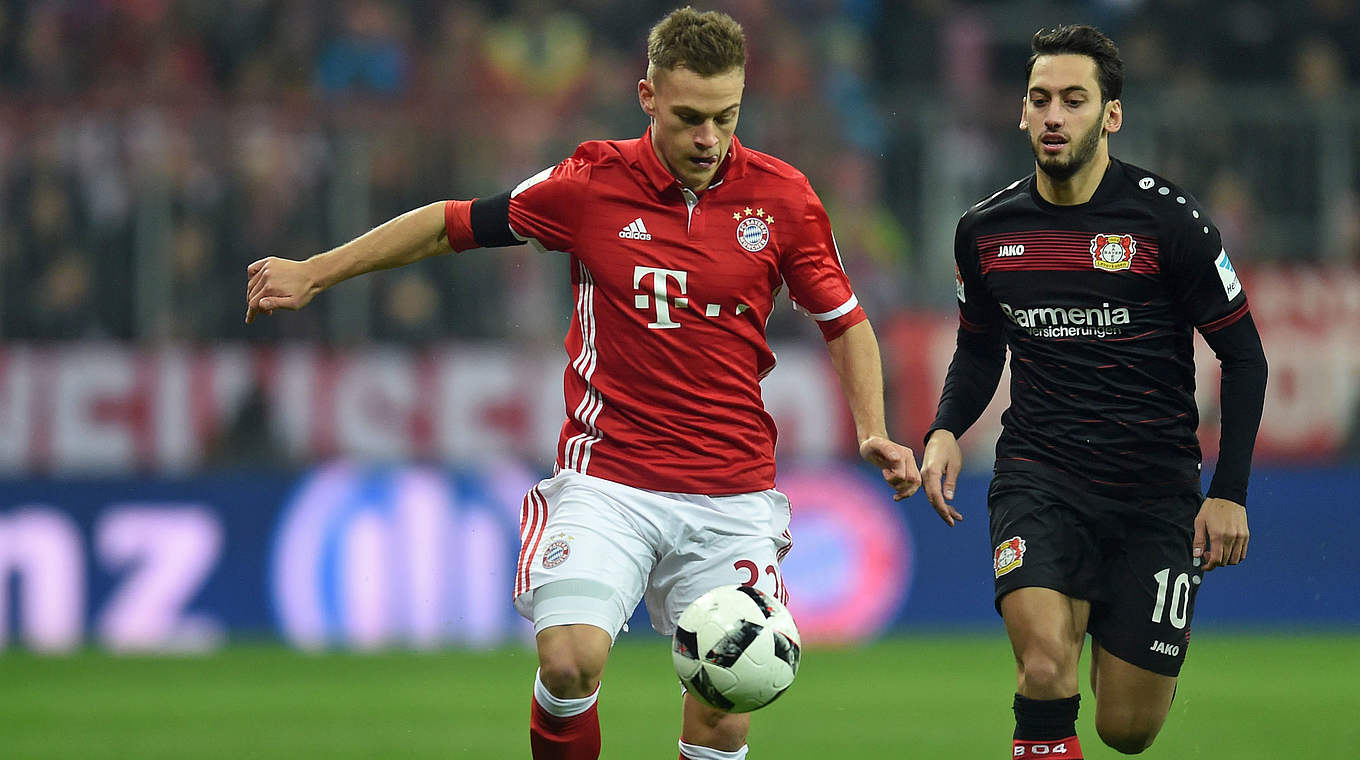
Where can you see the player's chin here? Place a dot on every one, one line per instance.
(1053, 162)
(700, 176)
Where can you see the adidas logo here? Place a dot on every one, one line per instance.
(635, 230)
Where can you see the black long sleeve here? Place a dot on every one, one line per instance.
(1238, 348)
(971, 381)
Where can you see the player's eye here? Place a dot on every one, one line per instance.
(1075, 102)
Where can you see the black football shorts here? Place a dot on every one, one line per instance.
(1131, 558)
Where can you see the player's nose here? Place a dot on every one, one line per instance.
(706, 135)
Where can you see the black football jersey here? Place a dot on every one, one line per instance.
(1097, 303)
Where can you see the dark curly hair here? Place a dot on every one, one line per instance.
(1079, 39)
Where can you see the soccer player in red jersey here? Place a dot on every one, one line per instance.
(664, 480)
(1095, 274)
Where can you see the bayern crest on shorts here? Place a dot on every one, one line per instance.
(753, 229)
(557, 551)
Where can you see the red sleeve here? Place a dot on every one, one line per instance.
(811, 266)
(545, 209)
(458, 225)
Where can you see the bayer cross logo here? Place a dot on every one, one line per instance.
(753, 228)
(1113, 253)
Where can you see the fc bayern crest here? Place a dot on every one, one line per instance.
(556, 553)
(1112, 252)
(753, 229)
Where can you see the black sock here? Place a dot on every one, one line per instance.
(1049, 723)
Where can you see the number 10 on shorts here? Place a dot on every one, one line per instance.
(1178, 604)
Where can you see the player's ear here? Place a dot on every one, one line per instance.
(1024, 121)
(647, 97)
(1114, 116)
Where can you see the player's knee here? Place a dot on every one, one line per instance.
(568, 678)
(1127, 737)
(569, 671)
(1042, 674)
(719, 729)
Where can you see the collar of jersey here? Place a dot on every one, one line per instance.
(1106, 190)
(645, 158)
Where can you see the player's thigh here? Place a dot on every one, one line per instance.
(1047, 630)
(1149, 589)
(731, 540)
(583, 559)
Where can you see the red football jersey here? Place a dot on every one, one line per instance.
(667, 341)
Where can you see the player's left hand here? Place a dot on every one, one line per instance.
(897, 462)
(1221, 533)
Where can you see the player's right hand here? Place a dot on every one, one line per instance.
(274, 283)
(940, 467)
(896, 462)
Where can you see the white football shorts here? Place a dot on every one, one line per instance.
(590, 549)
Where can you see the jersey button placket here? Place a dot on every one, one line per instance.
(693, 225)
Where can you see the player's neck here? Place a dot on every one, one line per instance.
(1078, 188)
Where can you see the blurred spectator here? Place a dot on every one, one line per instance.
(63, 304)
(1236, 213)
(1341, 242)
(1319, 68)
(410, 309)
(539, 52)
(368, 54)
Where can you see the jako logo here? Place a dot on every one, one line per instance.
(1163, 648)
(1011, 250)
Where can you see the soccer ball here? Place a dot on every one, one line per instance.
(736, 648)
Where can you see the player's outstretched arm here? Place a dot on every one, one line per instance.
(274, 283)
(855, 356)
(1221, 533)
(940, 466)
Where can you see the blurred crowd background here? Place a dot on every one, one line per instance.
(151, 149)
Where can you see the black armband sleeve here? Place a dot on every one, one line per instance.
(1242, 395)
(491, 222)
(971, 381)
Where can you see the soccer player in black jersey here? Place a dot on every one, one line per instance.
(1094, 272)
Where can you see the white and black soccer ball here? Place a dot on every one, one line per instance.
(736, 648)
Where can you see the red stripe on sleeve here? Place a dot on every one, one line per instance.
(971, 326)
(1219, 324)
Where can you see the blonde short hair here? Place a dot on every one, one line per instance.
(707, 43)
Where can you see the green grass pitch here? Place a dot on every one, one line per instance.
(1242, 696)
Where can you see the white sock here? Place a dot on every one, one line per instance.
(695, 752)
(561, 708)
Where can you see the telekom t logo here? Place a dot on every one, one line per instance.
(659, 294)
